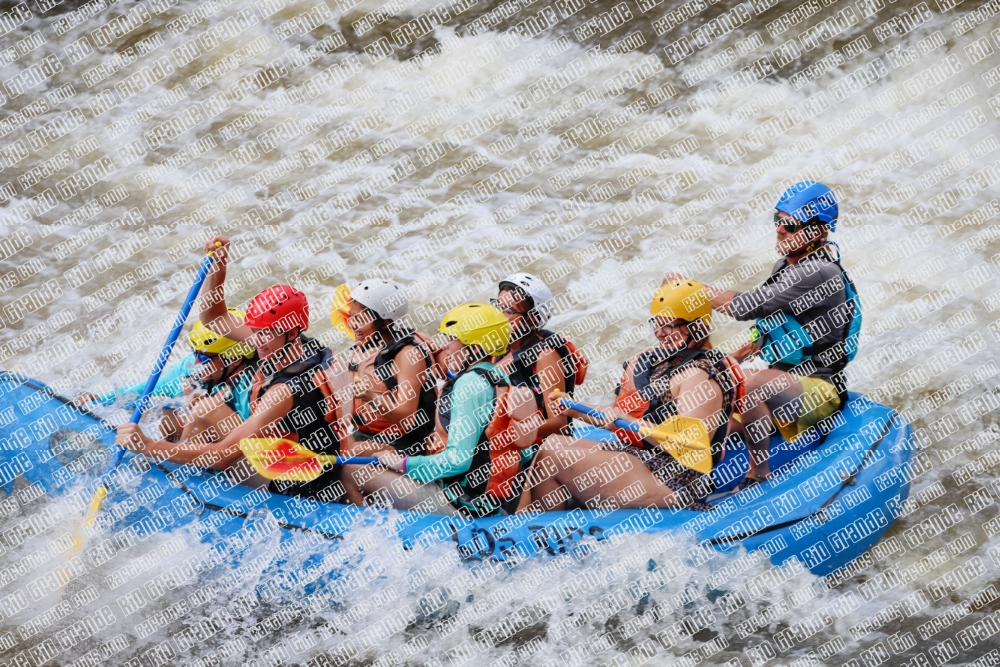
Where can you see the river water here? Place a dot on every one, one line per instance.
(597, 144)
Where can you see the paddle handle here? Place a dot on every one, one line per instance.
(597, 414)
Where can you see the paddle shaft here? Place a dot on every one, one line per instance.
(597, 414)
(154, 377)
(347, 460)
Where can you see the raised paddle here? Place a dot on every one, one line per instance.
(684, 438)
(288, 461)
(140, 406)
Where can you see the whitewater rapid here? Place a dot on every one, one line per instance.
(600, 145)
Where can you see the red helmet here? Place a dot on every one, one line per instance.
(281, 307)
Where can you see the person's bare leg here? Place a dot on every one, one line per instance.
(599, 476)
(593, 477)
(541, 469)
(355, 447)
(768, 391)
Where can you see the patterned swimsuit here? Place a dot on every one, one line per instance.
(690, 485)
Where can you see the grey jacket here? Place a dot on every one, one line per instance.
(813, 291)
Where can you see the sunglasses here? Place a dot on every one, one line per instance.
(506, 310)
(203, 358)
(791, 226)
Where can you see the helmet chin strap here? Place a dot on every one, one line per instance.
(471, 359)
(238, 363)
(691, 341)
(813, 245)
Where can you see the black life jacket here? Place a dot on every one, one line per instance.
(384, 370)
(642, 396)
(522, 369)
(309, 421)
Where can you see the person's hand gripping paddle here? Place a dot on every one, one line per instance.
(684, 438)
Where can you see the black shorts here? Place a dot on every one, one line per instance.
(408, 444)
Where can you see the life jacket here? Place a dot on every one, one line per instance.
(235, 388)
(522, 369)
(316, 420)
(492, 479)
(642, 396)
(383, 369)
(786, 341)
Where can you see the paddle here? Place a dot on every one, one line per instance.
(288, 461)
(684, 438)
(140, 406)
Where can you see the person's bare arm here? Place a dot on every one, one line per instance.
(553, 398)
(551, 379)
(721, 299)
(213, 310)
(697, 396)
(611, 414)
(274, 405)
(277, 403)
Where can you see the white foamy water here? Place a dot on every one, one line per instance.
(448, 171)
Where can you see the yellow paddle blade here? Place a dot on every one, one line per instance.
(95, 506)
(686, 439)
(89, 521)
(341, 310)
(281, 459)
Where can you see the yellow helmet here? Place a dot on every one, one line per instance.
(686, 300)
(205, 340)
(341, 311)
(478, 324)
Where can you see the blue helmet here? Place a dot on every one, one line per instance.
(807, 200)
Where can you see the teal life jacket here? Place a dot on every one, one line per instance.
(786, 341)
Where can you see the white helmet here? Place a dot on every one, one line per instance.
(542, 301)
(383, 297)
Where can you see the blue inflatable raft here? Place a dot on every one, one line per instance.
(826, 508)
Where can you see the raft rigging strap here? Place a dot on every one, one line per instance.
(847, 481)
(159, 464)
